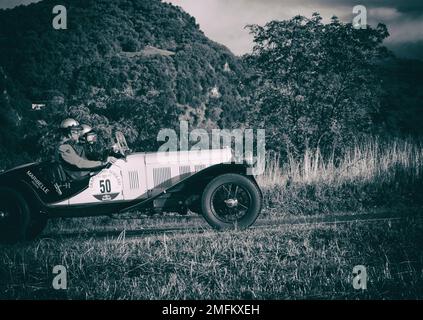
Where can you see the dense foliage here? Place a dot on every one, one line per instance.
(99, 72)
(316, 82)
(142, 65)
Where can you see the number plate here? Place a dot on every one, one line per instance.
(106, 185)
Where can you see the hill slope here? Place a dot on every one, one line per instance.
(135, 64)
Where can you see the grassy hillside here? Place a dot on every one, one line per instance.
(135, 65)
(143, 65)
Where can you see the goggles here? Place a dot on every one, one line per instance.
(91, 137)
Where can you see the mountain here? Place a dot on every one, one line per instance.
(135, 65)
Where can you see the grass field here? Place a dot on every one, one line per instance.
(285, 262)
(298, 261)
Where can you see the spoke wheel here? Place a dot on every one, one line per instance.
(230, 201)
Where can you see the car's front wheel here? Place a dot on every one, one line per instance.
(14, 216)
(231, 201)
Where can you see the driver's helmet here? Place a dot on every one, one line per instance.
(70, 124)
(86, 129)
(88, 134)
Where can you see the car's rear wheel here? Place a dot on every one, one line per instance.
(14, 216)
(35, 227)
(231, 201)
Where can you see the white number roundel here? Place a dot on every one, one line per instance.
(106, 185)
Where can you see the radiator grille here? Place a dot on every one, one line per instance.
(161, 175)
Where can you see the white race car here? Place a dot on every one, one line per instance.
(207, 182)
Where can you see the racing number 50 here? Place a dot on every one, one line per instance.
(105, 186)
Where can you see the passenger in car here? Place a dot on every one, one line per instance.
(87, 142)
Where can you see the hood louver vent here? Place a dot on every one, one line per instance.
(161, 177)
(199, 168)
(134, 182)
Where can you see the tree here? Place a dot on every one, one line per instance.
(314, 84)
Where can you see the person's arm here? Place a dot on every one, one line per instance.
(69, 155)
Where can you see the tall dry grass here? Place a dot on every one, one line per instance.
(365, 162)
(375, 167)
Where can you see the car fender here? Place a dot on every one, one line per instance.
(194, 183)
(27, 192)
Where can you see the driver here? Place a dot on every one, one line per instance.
(72, 155)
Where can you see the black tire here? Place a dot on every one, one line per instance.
(35, 227)
(231, 201)
(14, 216)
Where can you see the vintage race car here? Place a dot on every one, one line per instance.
(207, 182)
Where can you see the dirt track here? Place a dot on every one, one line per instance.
(196, 224)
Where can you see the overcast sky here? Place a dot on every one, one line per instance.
(224, 20)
